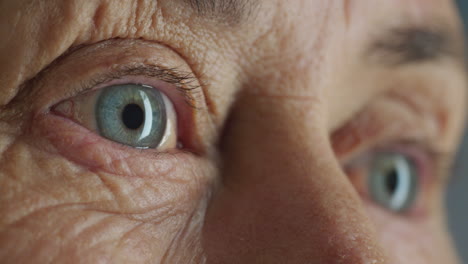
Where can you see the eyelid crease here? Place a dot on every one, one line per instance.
(185, 82)
(370, 131)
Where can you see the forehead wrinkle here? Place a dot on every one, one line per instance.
(347, 5)
(60, 26)
(231, 11)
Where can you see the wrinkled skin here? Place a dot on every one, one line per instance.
(261, 179)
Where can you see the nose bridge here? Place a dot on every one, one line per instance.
(283, 199)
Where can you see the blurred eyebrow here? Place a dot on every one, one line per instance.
(412, 45)
(231, 11)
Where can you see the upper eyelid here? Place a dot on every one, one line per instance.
(160, 63)
(185, 82)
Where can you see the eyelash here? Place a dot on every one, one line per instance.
(184, 82)
(179, 86)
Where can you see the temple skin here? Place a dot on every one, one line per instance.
(287, 94)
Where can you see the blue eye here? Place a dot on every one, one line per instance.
(393, 181)
(134, 115)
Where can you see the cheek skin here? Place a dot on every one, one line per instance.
(283, 198)
(62, 205)
(413, 241)
(67, 195)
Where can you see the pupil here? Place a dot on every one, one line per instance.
(133, 116)
(392, 181)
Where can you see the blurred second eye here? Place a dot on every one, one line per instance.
(393, 181)
(135, 115)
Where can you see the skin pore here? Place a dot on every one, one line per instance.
(279, 105)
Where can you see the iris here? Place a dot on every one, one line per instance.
(131, 114)
(393, 181)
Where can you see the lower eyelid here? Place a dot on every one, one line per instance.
(85, 148)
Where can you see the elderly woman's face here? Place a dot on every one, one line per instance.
(216, 131)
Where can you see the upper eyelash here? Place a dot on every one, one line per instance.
(182, 80)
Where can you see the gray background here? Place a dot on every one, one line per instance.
(457, 195)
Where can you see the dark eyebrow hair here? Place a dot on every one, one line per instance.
(230, 11)
(412, 45)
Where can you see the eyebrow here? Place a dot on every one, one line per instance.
(414, 45)
(230, 11)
